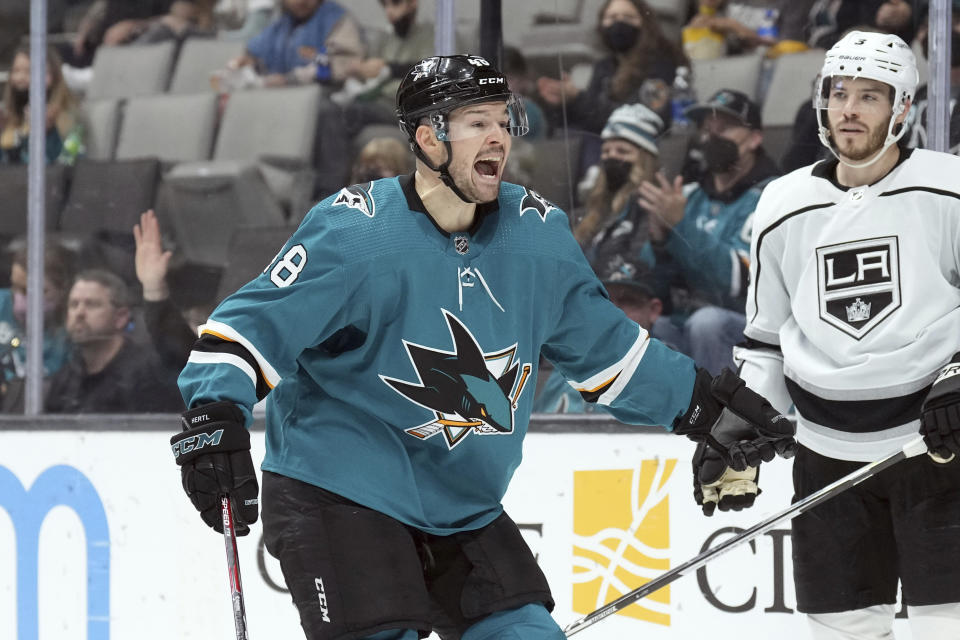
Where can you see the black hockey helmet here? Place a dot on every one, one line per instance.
(437, 85)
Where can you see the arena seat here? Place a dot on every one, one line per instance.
(108, 196)
(791, 84)
(131, 70)
(263, 149)
(173, 128)
(740, 73)
(198, 59)
(101, 121)
(14, 183)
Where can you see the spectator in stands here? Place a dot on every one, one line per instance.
(639, 53)
(711, 33)
(636, 298)
(917, 118)
(705, 227)
(61, 124)
(311, 41)
(381, 158)
(628, 157)
(107, 373)
(57, 265)
(186, 19)
(408, 41)
(171, 334)
(111, 23)
(830, 19)
(514, 66)
(240, 20)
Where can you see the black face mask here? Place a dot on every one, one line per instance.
(20, 98)
(954, 48)
(402, 26)
(719, 154)
(620, 36)
(616, 171)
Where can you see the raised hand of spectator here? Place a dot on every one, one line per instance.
(665, 202)
(554, 91)
(150, 260)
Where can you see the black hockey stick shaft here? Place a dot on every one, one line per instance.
(233, 569)
(912, 448)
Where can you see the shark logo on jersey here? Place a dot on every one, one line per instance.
(357, 197)
(533, 201)
(466, 390)
(859, 283)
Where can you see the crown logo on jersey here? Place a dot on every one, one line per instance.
(859, 311)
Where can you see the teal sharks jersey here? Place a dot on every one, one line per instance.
(399, 361)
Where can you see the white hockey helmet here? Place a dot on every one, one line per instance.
(882, 57)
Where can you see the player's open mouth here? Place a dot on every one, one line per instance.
(488, 168)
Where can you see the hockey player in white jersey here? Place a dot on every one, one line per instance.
(853, 317)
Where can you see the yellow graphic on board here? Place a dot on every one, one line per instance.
(621, 526)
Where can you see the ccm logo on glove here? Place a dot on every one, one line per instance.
(198, 441)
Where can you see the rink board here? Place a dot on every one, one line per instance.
(98, 541)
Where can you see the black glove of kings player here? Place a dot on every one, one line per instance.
(735, 421)
(717, 486)
(940, 414)
(213, 452)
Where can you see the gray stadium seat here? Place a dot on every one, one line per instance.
(173, 128)
(263, 149)
(198, 59)
(131, 70)
(109, 196)
(14, 198)
(791, 84)
(101, 121)
(550, 175)
(740, 73)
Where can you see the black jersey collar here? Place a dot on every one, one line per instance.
(827, 169)
(414, 203)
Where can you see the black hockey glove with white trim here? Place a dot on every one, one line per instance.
(717, 486)
(213, 452)
(735, 421)
(940, 414)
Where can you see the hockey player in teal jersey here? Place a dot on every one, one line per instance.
(396, 337)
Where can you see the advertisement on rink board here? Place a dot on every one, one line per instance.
(100, 544)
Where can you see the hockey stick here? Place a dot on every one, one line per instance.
(233, 569)
(909, 450)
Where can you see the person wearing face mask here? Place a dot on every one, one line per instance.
(639, 55)
(57, 263)
(916, 135)
(705, 227)
(61, 121)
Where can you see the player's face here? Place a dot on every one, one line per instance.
(859, 112)
(481, 145)
(91, 314)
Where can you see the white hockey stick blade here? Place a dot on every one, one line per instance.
(909, 450)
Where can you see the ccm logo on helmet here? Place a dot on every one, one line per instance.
(490, 81)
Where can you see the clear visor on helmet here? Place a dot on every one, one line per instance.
(502, 118)
(854, 95)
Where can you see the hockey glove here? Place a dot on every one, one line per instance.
(940, 414)
(715, 485)
(737, 422)
(213, 452)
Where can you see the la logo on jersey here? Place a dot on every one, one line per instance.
(467, 390)
(859, 283)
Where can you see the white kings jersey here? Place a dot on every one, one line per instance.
(854, 300)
